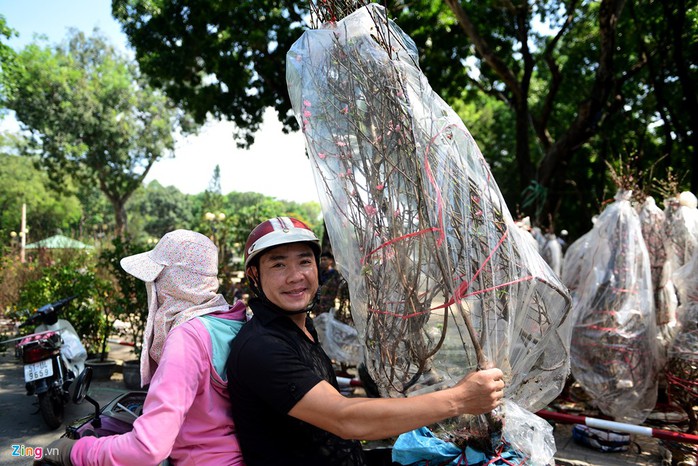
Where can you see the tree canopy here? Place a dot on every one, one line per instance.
(565, 85)
(47, 211)
(91, 115)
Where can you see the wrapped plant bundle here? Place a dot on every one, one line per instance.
(614, 352)
(680, 240)
(573, 264)
(552, 253)
(682, 365)
(652, 226)
(681, 229)
(441, 280)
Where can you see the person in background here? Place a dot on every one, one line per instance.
(330, 281)
(186, 414)
(283, 389)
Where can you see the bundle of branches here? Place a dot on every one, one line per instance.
(614, 353)
(682, 366)
(680, 241)
(681, 228)
(652, 226)
(441, 280)
(578, 254)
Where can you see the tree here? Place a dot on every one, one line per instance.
(569, 81)
(47, 211)
(92, 117)
(220, 58)
(7, 56)
(159, 210)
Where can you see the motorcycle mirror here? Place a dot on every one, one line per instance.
(82, 385)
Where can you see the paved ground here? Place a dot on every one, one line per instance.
(19, 426)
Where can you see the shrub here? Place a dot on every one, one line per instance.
(88, 313)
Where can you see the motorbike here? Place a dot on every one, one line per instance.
(53, 357)
(115, 418)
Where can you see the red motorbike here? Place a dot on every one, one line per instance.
(53, 357)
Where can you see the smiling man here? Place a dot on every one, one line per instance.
(284, 393)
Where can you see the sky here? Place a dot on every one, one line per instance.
(279, 159)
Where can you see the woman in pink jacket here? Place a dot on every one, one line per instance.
(186, 414)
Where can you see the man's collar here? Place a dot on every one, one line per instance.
(265, 311)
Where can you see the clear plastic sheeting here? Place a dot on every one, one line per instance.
(681, 240)
(552, 253)
(682, 365)
(652, 226)
(339, 340)
(525, 439)
(577, 255)
(614, 350)
(441, 280)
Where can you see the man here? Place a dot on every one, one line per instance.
(330, 283)
(285, 398)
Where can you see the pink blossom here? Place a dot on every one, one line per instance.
(307, 103)
(307, 113)
(380, 187)
(345, 110)
(322, 155)
(370, 210)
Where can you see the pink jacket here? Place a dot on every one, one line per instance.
(186, 415)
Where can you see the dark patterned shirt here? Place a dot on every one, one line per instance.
(272, 365)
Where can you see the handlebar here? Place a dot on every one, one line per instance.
(46, 309)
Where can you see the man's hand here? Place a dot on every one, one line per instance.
(57, 453)
(480, 392)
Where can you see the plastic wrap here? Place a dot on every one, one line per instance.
(573, 265)
(552, 253)
(440, 278)
(525, 439)
(652, 225)
(339, 340)
(682, 365)
(681, 229)
(681, 239)
(614, 350)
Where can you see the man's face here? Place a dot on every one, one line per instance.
(289, 276)
(326, 263)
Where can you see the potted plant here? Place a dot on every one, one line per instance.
(129, 303)
(102, 366)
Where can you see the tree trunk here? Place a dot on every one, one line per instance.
(120, 218)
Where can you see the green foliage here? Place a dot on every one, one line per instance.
(92, 116)
(7, 60)
(47, 211)
(130, 300)
(549, 89)
(89, 313)
(155, 210)
(222, 58)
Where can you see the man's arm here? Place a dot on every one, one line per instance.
(378, 418)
